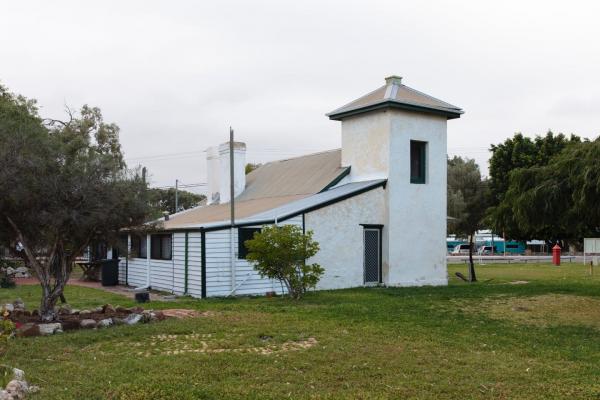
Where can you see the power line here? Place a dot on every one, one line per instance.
(195, 153)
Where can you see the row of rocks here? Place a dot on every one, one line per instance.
(17, 388)
(19, 272)
(17, 305)
(34, 329)
(17, 309)
(132, 319)
(66, 309)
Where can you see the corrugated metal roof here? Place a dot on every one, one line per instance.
(201, 216)
(269, 186)
(294, 176)
(395, 94)
(316, 200)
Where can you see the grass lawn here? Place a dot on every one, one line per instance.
(500, 338)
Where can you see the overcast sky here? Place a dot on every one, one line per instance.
(174, 75)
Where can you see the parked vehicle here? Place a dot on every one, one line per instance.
(513, 247)
(452, 243)
(487, 251)
(461, 249)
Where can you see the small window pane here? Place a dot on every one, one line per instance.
(418, 161)
(166, 247)
(243, 235)
(143, 247)
(155, 247)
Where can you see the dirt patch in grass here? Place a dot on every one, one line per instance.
(546, 310)
(208, 343)
(181, 313)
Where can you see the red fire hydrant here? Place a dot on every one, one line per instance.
(556, 255)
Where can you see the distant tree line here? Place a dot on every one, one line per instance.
(546, 188)
(163, 200)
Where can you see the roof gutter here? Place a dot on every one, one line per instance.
(450, 114)
(285, 216)
(279, 217)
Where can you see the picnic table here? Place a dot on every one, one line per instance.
(91, 270)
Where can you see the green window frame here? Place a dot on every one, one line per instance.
(245, 234)
(161, 247)
(138, 246)
(418, 161)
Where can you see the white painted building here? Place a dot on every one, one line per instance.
(377, 206)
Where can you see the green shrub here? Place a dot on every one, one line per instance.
(7, 330)
(280, 252)
(6, 280)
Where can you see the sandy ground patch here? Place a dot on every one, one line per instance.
(181, 313)
(207, 343)
(545, 310)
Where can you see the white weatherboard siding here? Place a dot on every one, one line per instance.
(136, 272)
(162, 275)
(338, 231)
(218, 266)
(123, 263)
(122, 270)
(194, 263)
(169, 275)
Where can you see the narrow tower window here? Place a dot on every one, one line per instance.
(418, 161)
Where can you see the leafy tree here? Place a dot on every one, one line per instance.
(280, 252)
(64, 185)
(164, 200)
(251, 167)
(516, 153)
(558, 201)
(467, 202)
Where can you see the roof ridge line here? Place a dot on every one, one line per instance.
(355, 100)
(304, 155)
(431, 97)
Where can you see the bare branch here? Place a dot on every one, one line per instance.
(53, 122)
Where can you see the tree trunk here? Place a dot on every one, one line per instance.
(56, 265)
(472, 277)
(47, 312)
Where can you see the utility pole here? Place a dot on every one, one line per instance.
(176, 195)
(232, 208)
(231, 177)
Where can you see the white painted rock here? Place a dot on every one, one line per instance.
(87, 324)
(105, 323)
(133, 319)
(19, 374)
(22, 272)
(18, 304)
(17, 389)
(50, 329)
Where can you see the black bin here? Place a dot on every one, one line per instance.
(110, 272)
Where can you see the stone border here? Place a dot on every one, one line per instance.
(71, 319)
